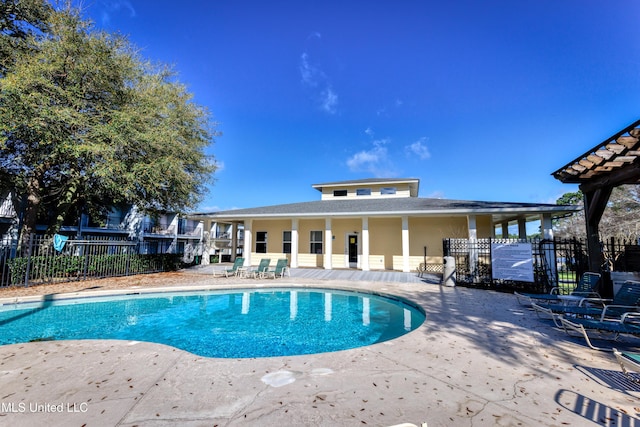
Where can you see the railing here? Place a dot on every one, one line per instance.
(161, 229)
(190, 230)
(555, 262)
(38, 261)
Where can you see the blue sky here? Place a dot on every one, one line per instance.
(480, 100)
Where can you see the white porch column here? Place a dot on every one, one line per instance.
(328, 244)
(473, 244)
(213, 233)
(294, 243)
(248, 241)
(405, 244)
(204, 242)
(550, 253)
(505, 230)
(364, 263)
(522, 228)
(234, 241)
(471, 224)
(547, 226)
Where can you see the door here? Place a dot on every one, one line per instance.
(353, 250)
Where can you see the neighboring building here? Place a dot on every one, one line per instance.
(168, 233)
(370, 224)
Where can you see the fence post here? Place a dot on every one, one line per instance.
(29, 252)
(128, 262)
(86, 260)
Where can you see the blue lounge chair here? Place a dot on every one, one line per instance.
(587, 287)
(628, 361)
(230, 271)
(262, 267)
(624, 301)
(280, 269)
(615, 327)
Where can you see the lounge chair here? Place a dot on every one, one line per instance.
(624, 301)
(262, 267)
(615, 327)
(628, 362)
(230, 271)
(280, 269)
(587, 286)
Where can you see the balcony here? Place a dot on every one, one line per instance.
(189, 231)
(158, 230)
(6, 209)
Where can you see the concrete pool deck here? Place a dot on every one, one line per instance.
(480, 359)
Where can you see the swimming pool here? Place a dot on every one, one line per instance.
(223, 323)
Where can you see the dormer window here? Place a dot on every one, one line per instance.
(363, 192)
(388, 190)
(339, 193)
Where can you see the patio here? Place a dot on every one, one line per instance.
(479, 359)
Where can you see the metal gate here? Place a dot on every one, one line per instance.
(557, 262)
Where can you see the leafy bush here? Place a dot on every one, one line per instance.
(80, 267)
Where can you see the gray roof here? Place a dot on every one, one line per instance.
(392, 206)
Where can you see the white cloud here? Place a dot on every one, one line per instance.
(436, 194)
(110, 7)
(329, 101)
(369, 132)
(419, 148)
(374, 161)
(309, 73)
(315, 79)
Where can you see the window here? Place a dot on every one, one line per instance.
(316, 242)
(363, 192)
(261, 242)
(339, 193)
(286, 242)
(388, 190)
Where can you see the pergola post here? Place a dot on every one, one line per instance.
(595, 202)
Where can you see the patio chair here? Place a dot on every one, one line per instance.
(230, 271)
(587, 286)
(262, 267)
(624, 301)
(628, 362)
(280, 269)
(615, 327)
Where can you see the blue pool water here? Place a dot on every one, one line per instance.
(231, 323)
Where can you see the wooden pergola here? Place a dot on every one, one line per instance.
(609, 164)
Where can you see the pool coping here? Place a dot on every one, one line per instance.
(479, 359)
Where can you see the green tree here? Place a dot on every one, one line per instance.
(620, 220)
(20, 21)
(576, 198)
(85, 124)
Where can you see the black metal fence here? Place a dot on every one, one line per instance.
(53, 259)
(556, 262)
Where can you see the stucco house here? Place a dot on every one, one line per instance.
(368, 224)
